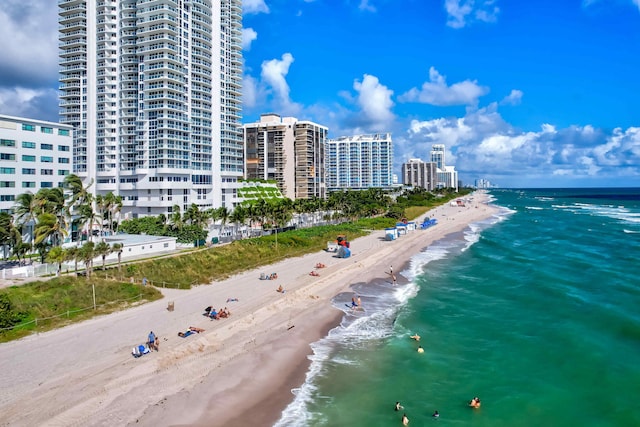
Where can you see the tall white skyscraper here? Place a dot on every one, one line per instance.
(153, 90)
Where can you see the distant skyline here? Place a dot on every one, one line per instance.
(524, 94)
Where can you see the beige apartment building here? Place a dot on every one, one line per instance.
(290, 152)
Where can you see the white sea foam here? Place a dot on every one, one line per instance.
(534, 208)
(618, 213)
(630, 231)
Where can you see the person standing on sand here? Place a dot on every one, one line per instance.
(151, 341)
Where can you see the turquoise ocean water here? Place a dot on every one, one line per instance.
(536, 311)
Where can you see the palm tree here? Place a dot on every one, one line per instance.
(113, 206)
(73, 253)
(15, 238)
(57, 255)
(118, 247)
(79, 193)
(102, 249)
(26, 210)
(87, 254)
(102, 205)
(87, 216)
(223, 215)
(50, 228)
(239, 217)
(176, 218)
(6, 223)
(20, 250)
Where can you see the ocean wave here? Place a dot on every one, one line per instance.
(534, 208)
(630, 231)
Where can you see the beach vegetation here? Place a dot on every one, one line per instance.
(45, 305)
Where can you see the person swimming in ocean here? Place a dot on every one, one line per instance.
(398, 407)
(405, 420)
(475, 402)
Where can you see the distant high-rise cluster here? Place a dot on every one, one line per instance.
(153, 90)
(433, 174)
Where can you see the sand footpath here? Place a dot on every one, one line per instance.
(239, 371)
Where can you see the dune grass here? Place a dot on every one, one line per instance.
(45, 305)
(219, 262)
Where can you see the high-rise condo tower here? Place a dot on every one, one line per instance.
(153, 90)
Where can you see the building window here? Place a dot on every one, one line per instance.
(7, 143)
(46, 146)
(28, 184)
(30, 128)
(27, 144)
(46, 159)
(63, 148)
(28, 171)
(7, 184)
(46, 184)
(63, 172)
(8, 171)
(46, 129)
(63, 132)
(63, 160)
(7, 198)
(46, 171)
(7, 156)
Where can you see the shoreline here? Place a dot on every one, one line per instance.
(241, 368)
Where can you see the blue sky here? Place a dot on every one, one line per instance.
(525, 94)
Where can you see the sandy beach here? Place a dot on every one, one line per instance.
(240, 370)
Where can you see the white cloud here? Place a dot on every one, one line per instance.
(254, 6)
(482, 145)
(248, 36)
(514, 98)
(28, 29)
(588, 3)
(463, 12)
(374, 100)
(436, 92)
(273, 75)
(364, 5)
(249, 91)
